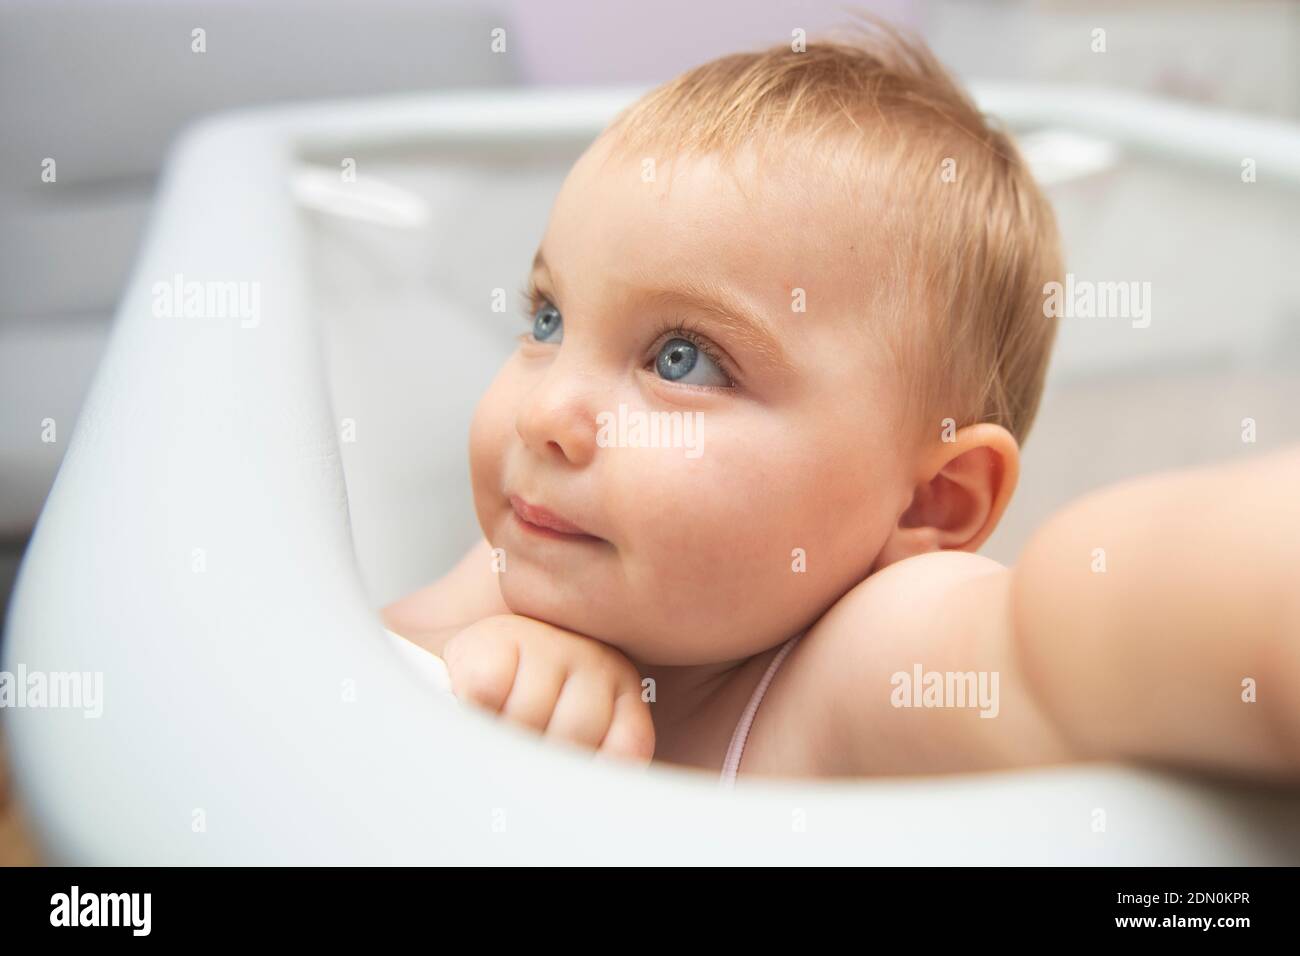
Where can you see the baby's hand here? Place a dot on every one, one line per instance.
(566, 685)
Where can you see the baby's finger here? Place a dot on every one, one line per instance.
(481, 673)
(631, 732)
(584, 710)
(535, 691)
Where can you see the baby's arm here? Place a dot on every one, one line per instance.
(1186, 648)
(467, 593)
(1135, 625)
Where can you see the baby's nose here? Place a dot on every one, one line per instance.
(558, 418)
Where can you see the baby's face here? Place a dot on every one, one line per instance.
(788, 421)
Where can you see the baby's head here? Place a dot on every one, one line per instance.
(817, 278)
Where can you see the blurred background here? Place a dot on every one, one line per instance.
(103, 86)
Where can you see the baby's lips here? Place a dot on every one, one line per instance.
(545, 518)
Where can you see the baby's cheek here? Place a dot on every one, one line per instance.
(488, 439)
(678, 504)
(706, 547)
(484, 428)
(715, 521)
(774, 516)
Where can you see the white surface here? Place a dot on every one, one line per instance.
(261, 695)
(429, 666)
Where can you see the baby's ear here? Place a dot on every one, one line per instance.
(964, 488)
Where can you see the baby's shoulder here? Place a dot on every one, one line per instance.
(913, 593)
(943, 610)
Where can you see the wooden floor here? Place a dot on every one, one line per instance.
(16, 847)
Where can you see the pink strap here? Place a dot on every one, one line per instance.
(731, 765)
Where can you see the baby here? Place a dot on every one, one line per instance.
(826, 270)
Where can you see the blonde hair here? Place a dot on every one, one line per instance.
(974, 239)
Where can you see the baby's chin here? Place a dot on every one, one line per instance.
(642, 638)
(573, 612)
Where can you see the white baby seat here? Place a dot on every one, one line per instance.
(202, 550)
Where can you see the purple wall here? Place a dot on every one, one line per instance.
(580, 42)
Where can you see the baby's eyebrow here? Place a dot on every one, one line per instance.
(727, 311)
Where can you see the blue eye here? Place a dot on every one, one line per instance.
(682, 361)
(548, 326)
